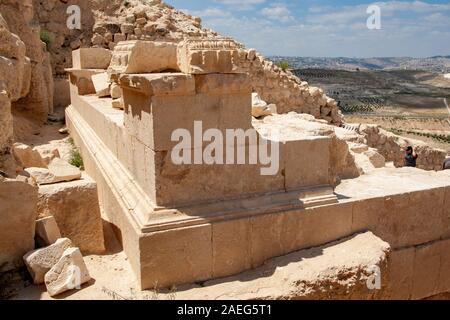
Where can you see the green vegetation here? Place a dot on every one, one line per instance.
(75, 155)
(46, 38)
(283, 65)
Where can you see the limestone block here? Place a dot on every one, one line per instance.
(117, 104)
(47, 153)
(40, 261)
(76, 210)
(143, 57)
(58, 171)
(175, 105)
(444, 273)
(377, 160)
(17, 222)
(401, 273)
(231, 247)
(116, 92)
(69, 273)
(6, 121)
(427, 263)
(47, 231)
(82, 79)
(202, 56)
(101, 84)
(28, 157)
(91, 58)
(185, 255)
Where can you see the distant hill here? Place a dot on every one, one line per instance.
(437, 64)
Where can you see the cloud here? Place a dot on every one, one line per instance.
(241, 5)
(413, 28)
(278, 12)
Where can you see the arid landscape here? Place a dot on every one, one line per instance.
(411, 103)
(144, 156)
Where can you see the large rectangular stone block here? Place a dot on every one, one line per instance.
(203, 56)
(91, 58)
(231, 247)
(18, 202)
(75, 207)
(176, 257)
(143, 57)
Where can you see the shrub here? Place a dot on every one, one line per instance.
(45, 37)
(75, 156)
(283, 65)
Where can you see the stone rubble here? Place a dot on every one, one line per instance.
(47, 231)
(40, 261)
(69, 273)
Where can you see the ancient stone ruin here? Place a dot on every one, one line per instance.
(207, 164)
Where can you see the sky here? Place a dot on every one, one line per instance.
(326, 28)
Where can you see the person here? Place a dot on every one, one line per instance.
(410, 157)
(446, 165)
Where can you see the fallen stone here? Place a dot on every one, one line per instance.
(40, 261)
(47, 231)
(118, 104)
(28, 157)
(69, 273)
(76, 210)
(116, 92)
(101, 84)
(47, 153)
(375, 158)
(18, 201)
(58, 171)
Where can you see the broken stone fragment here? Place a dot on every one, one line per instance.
(58, 171)
(69, 273)
(260, 107)
(118, 104)
(80, 221)
(27, 157)
(17, 221)
(40, 261)
(116, 92)
(47, 231)
(101, 84)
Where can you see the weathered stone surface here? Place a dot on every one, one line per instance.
(18, 204)
(338, 270)
(58, 171)
(203, 56)
(76, 210)
(133, 57)
(40, 261)
(69, 273)
(47, 231)
(101, 84)
(28, 157)
(91, 58)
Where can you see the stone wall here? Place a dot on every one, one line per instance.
(37, 102)
(393, 148)
(105, 23)
(15, 73)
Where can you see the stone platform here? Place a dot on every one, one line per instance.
(194, 221)
(217, 239)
